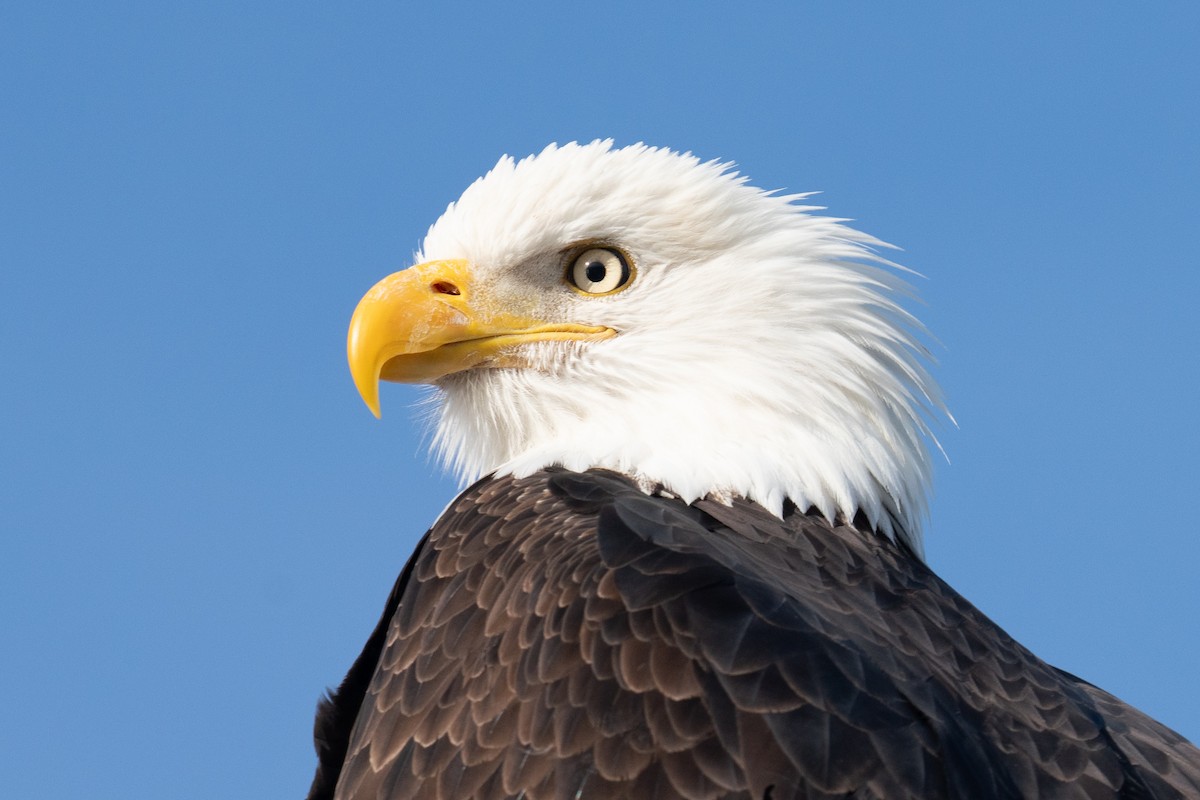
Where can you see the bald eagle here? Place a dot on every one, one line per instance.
(698, 418)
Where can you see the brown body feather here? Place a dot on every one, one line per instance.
(567, 636)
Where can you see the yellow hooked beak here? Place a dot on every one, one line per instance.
(426, 322)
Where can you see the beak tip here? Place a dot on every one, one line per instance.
(367, 384)
(368, 390)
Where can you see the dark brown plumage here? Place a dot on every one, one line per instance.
(567, 636)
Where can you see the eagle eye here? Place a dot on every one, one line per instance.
(599, 270)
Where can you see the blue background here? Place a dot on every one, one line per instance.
(200, 520)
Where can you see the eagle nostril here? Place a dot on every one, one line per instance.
(445, 287)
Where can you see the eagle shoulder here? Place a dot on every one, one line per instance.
(567, 635)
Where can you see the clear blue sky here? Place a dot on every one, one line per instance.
(200, 521)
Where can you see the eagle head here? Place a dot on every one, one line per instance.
(640, 310)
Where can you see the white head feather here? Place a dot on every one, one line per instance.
(761, 349)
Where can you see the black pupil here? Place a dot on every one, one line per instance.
(595, 271)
